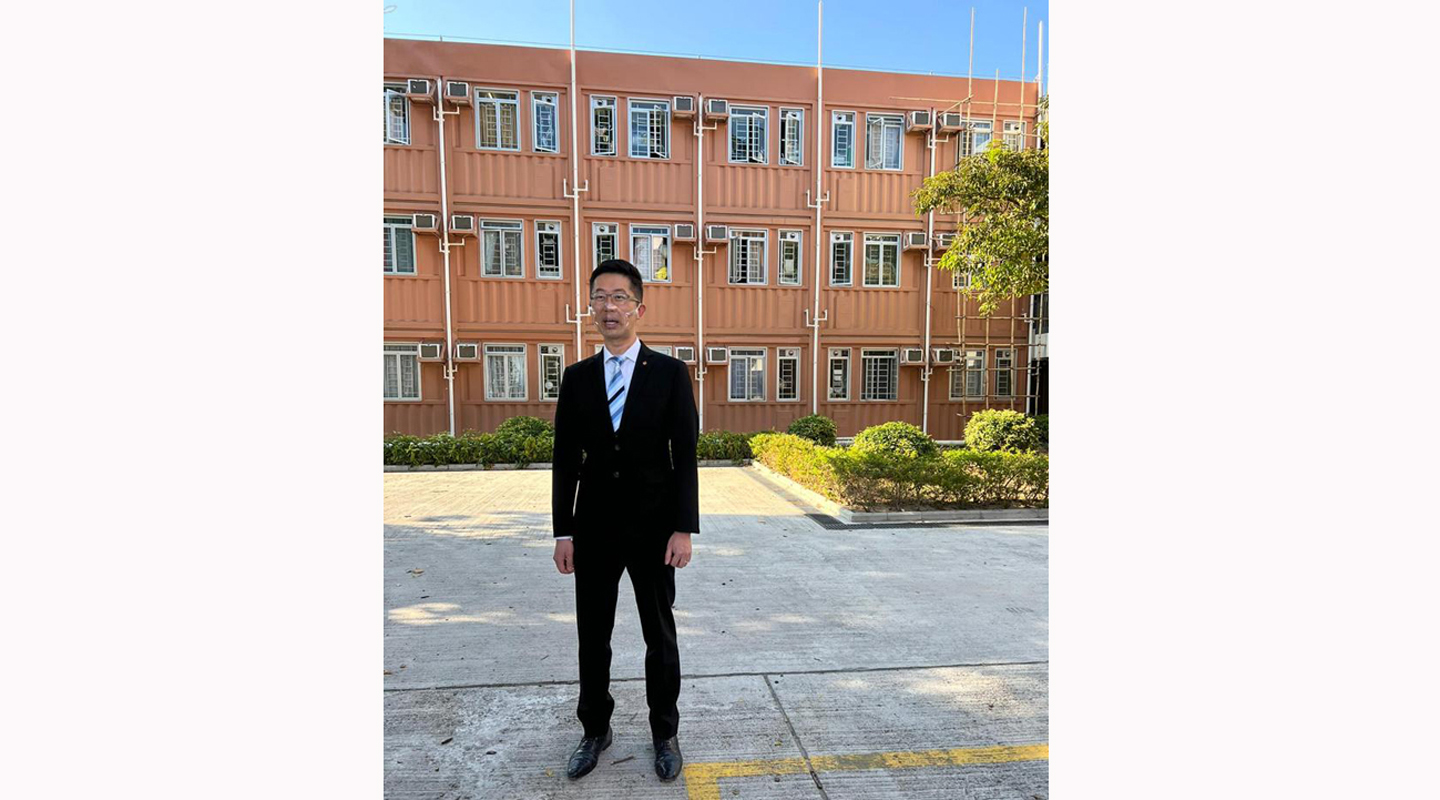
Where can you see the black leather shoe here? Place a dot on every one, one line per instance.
(667, 758)
(587, 755)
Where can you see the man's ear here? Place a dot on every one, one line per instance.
(640, 311)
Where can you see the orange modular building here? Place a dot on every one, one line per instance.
(768, 207)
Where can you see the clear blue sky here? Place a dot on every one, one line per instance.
(908, 35)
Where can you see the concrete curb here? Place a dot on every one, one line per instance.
(848, 516)
(545, 465)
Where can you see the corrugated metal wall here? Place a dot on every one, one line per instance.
(527, 186)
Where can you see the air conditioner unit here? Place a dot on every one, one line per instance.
(432, 351)
(719, 234)
(943, 241)
(424, 223)
(717, 355)
(912, 355)
(467, 352)
(944, 355)
(952, 121)
(683, 105)
(685, 232)
(457, 92)
(463, 224)
(920, 121)
(420, 89)
(915, 240)
(685, 353)
(717, 109)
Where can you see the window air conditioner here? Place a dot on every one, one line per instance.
(915, 240)
(432, 351)
(719, 234)
(717, 109)
(424, 223)
(457, 92)
(463, 224)
(684, 106)
(920, 121)
(943, 241)
(685, 232)
(912, 355)
(467, 352)
(944, 355)
(952, 121)
(685, 353)
(717, 355)
(420, 89)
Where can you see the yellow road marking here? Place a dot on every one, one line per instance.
(702, 781)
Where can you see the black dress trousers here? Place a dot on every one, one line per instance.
(599, 562)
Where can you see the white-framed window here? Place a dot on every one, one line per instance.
(748, 126)
(1013, 133)
(787, 373)
(547, 248)
(969, 379)
(602, 125)
(959, 279)
(792, 137)
(1004, 372)
(882, 259)
(497, 119)
(884, 141)
(501, 253)
(661, 348)
(397, 114)
(747, 374)
(842, 141)
(747, 256)
(842, 258)
(791, 260)
(976, 137)
(650, 252)
(649, 128)
(545, 121)
(505, 372)
(402, 371)
(399, 246)
(880, 374)
(606, 236)
(839, 373)
(552, 366)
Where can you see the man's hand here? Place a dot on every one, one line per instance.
(677, 553)
(565, 555)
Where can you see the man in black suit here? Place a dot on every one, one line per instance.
(631, 412)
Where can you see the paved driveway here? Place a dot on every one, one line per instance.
(869, 663)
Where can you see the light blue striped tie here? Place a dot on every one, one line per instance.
(616, 391)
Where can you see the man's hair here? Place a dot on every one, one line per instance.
(620, 266)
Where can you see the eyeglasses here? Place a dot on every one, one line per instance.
(619, 300)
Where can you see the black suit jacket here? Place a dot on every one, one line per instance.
(642, 476)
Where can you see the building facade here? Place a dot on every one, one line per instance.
(767, 206)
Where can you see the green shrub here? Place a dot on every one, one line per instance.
(722, 446)
(876, 478)
(521, 427)
(818, 428)
(898, 438)
(1006, 431)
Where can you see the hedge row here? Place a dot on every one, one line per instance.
(486, 449)
(882, 479)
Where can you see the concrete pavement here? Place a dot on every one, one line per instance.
(840, 664)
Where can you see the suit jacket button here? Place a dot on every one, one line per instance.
(616, 474)
(617, 447)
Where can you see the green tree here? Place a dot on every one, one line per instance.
(1003, 198)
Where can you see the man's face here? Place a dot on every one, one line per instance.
(617, 322)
